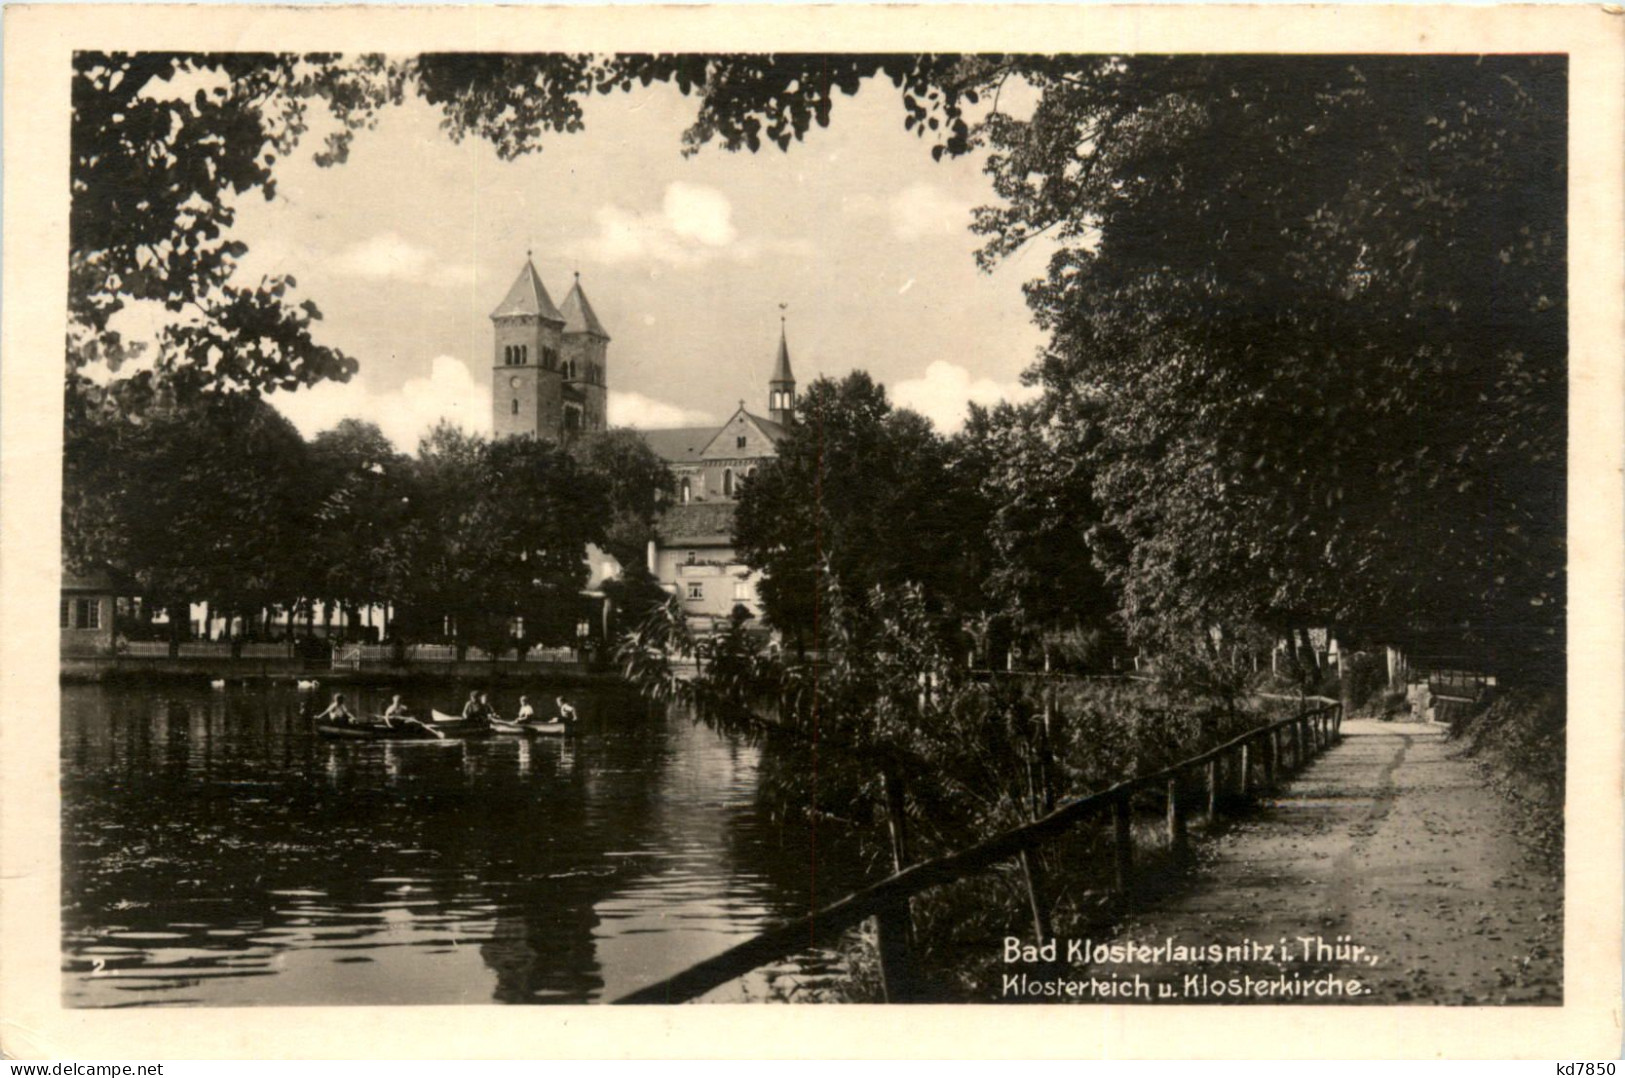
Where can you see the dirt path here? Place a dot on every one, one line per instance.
(1394, 841)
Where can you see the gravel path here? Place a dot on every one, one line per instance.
(1392, 841)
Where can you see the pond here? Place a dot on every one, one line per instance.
(217, 852)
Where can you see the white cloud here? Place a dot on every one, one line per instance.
(947, 389)
(923, 209)
(646, 413)
(694, 224)
(389, 256)
(701, 214)
(405, 415)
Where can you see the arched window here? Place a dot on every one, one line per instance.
(727, 482)
(524, 354)
(516, 406)
(685, 492)
(750, 473)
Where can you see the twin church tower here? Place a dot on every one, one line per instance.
(551, 375)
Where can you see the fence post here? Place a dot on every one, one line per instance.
(1123, 842)
(1176, 817)
(1244, 781)
(892, 927)
(1032, 871)
(1212, 789)
(1272, 750)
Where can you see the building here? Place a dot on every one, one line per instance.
(550, 365)
(693, 556)
(85, 613)
(550, 378)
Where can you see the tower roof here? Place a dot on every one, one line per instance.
(528, 296)
(579, 316)
(781, 368)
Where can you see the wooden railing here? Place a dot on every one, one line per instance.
(1277, 749)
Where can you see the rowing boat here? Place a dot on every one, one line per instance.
(377, 732)
(533, 729)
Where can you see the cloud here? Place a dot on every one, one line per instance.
(701, 214)
(694, 224)
(922, 209)
(646, 413)
(389, 256)
(943, 395)
(405, 415)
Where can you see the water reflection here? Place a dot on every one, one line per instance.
(217, 852)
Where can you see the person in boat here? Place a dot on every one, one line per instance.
(488, 712)
(337, 712)
(472, 710)
(396, 712)
(566, 712)
(526, 712)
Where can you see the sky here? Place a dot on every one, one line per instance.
(408, 246)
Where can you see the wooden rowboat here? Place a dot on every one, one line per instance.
(371, 731)
(531, 729)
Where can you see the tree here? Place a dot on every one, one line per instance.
(358, 552)
(499, 532)
(162, 143)
(1321, 302)
(1033, 474)
(639, 485)
(861, 490)
(203, 502)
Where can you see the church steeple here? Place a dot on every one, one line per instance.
(528, 298)
(781, 388)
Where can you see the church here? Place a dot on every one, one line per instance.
(550, 378)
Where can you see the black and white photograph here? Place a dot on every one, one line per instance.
(815, 526)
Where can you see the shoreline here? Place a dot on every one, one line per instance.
(125, 671)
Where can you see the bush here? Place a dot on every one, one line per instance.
(1365, 675)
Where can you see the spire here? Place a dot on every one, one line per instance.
(781, 369)
(579, 316)
(781, 388)
(528, 296)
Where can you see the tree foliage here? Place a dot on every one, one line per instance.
(1319, 304)
(861, 490)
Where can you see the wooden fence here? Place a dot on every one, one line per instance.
(1276, 749)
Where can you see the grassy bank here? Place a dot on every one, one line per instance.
(1520, 740)
(1100, 733)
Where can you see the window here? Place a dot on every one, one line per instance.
(685, 492)
(739, 442)
(90, 613)
(727, 482)
(64, 615)
(741, 591)
(550, 357)
(516, 406)
(691, 559)
(696, 591)
(750, 473)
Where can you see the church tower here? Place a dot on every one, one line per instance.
(586, 364)
(527, 384)
(781, 388)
